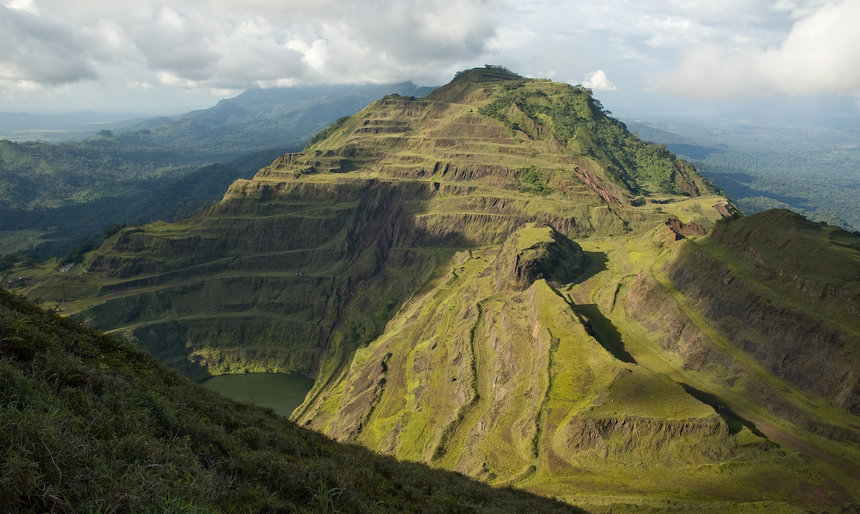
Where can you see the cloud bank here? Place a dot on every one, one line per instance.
(130, 52)
(820, 54)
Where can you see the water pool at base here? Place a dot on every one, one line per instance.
(282, 392)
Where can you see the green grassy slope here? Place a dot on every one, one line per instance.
(90, 423)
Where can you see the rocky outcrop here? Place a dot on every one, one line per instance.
(595, 184)
(670, 442)
(537, 252)
(727, 210)
(682, 230)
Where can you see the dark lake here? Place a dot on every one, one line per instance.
(282, 392)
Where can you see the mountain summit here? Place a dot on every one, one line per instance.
(502, 280)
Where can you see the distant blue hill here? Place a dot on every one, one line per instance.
(261, 118)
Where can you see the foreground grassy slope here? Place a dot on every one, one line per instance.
(90, 423)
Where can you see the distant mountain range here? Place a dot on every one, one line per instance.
(259, 119)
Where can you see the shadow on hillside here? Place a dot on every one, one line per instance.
(596, 263)
(602, 329)
(735, 422)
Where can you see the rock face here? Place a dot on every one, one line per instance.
(486, 280)
(259, 282)
(680, 230)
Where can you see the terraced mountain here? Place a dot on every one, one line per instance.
(501, 280)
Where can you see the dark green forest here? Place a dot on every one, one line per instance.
(581, 122)
(54, 198)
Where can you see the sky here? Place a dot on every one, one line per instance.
(639, 56)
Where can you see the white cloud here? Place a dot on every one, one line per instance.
(35, 49)
(23, 5)
(143, 86)
(598, 81)
(223, 43)
(820, 54)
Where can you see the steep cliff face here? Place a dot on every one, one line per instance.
(261, 279)
(785, 291)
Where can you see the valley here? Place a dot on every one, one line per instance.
(501, 280)
(808, 166)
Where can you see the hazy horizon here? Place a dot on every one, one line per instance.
(166, 58)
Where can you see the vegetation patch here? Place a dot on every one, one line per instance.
(579, 121)
(534, 182)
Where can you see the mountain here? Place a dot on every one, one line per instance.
(90, 423)
(53, 196)
(500, 279)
